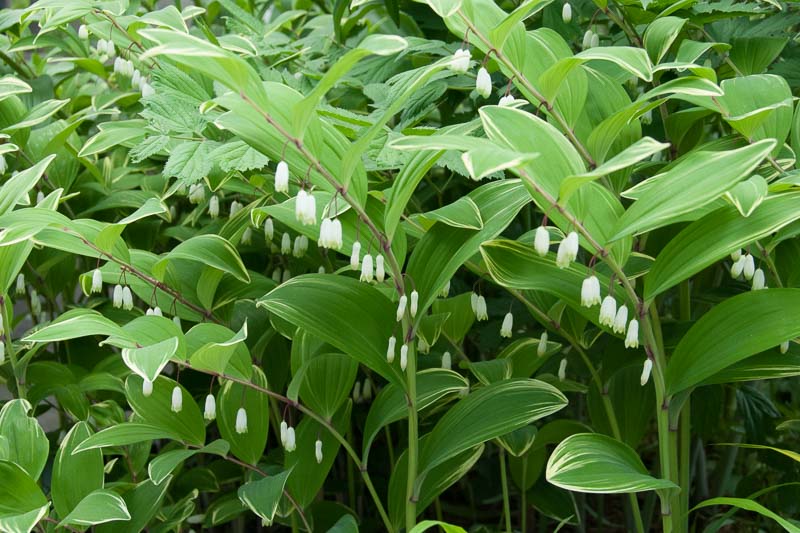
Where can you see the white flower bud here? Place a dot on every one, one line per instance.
(738, 267)
(758, 280)
(287, 275)
(269, 229)
(20, 284)
(506, 100)
(483, 83)
(111, 50)
(291, 442)
(749, 267)
(567, 250)
(321, 269)
(286, 244)
(590, 291)
(147, 387)
(318, 451)
(447, 361)
(196, 193)
(445, 290)
(305, 208)
(241, 421)
(784, 347)
(300, 246)
(213, 207)
(157, 311)
(119, 67)
(596, 43)
(736, 255)
(390, 349)
(562, 369)
(116, 298)
(284, 432)
(210, 411)
(423, 346)
(632, 338)
(177, 321)
(357, 392)
(97, 281)
(355, 256)
(566, 13)
(136, 78)
(276, 275)
(542, 348)
(473, 302)
(401, 307)
(177, 399)
(481, 313)
(646, 369)
(83, 32)
(608, 311)
(621, 319)
(587, 40)
(247, 236)
(414, 303)
(127, 298)
(460, 61)
(235, 208)
(403, 356)
(282, 177)
(367, 390)
(508, 324)
(380, 270)
(366, 269)
(36, 304)
(147, 89)
(541, 241)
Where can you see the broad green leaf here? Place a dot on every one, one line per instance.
(660, 35)
(487, 413)
(248, 446)
(19, 493)
(124, 434)
(748, 195)
(220, 356)
(326, 307)
(526, 9)
(143, 502)
(263, 495)
(165, 463)
(750, 505)
(425, 525)
(714, 237)
(211, 250)
(74, 324)
(75, 476)
(758, 107)
(10, 85)
(98, 507)
(38, 114)
(767, 365)
(16, 188)
(594, 463)
(327, 381)
(694, 181)
(107, 237)
(28, 446)
(112, 134)
(149, 361)
(156, 409)
(731, 331)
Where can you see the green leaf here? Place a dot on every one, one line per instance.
(526, 9)
(660, 35)
(238, 155)
(97, 508)
(165, 463)
(249, 446)
(156, 409)
(112, 134)
(143, 502)
(425, 525)
(731, 331)
(589, 462)
(189, 161)
(487, 413)
(748, 195)
(15, 190)
(75, 475)
(38, 114)
(223, 351)
(10, 85)
(211, 250)
(28, 446)
(19, 494)
(74, 324)
(149, 361)
(694, 181)
(124, 434)
(263, 496)
(749, 505)
(714, 237)
(326, 382)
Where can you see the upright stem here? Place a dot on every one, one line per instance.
(16, 369)
(504, 482)
(412, 495)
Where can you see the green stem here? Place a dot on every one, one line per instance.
(413, 441)
(504, 482)
(523, 504)
(17, 369)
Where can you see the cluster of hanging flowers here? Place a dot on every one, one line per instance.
(330, 234)
(122, 297)
(567, 250)
(478, 303)
(610, 316)
(288, 440)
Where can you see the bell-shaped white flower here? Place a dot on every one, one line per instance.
(403, 356)
(567, 250)
(632, 337)
(367, 272)
(241, 421)
(300, 246)
(590, 291)
(390, 349)
(566, 13)
(269, 229)
(287, 275)
(736, 255)
(423, 346)
(318, 451)
(445, 290)
(210, 408)
(355, 256)
(506, 100)
(286, 244)
(738, 266)
(414, 303)
(116, 298)
(447, 361)
(596, 42)
(291, 441)
(483, 83)
(284, 432)
(177, 399)
(147, 89)
(127, 298)
(136, 78)
(646, 369)
(321, 269)
(111, 50)
(587, 40)
(97, 281)
(621, 319)
(460, 61)
(507, 326)
(36, 304)
(247, 235)
(541, 349)
(367, 390)
(20, 284)
(213, 207)
(608, 311)
(157, 311)
(473, 302)
(83, 32)
(481, 312)
(401, 307)
(147, 387)
(380, 268)
(357, 392)
(749, 267)
(759, 280)
(562, 369)
(177, 321)
(196, 193)
(282, 177)
(784, 347)
(326, 238)
(118, 65)
(235, 208)
(305, 208)
(276, 274)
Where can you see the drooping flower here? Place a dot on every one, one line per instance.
(305, 208)
(390, 349)
(759, 280)
(608, 311)
(83, 32)
(318, 451)
(481, 312)
(147, 387)
(196, 193)
(367, 390)
(460, 62)
(738, 266)
(269, 229)
(116, 298)
(447, 361)
(20, 284)
(321, 269)
(403, 356)
(596, 42)
(127, 298)
(541, 349)
(508, 324)
(355, 256)
(147, 89)
(567, 250)
(241, 421)
(473, 302)
(506, 100)
(562, 369)
(414, 303)
(736, 255)
(97, 281)
(276, 275)
(330, 234)
(210, 411)
(784, 347)
(621, 319)
(177, 321)
(300, 246)
(566, 13)
(157, 311)
(423, 346)
(749, 267)
(541, 241)
(177, 399)
(291, 442)
(632, 338)
(286, 244)
(284, 432)
(213, 207)
(36, 304)
(646, 369)
(235, 208)
(247, 236)
(282, 177)
(287, 275)
(587, 40)
(357, 392)
(590, 291)
(136, 78)
(401, 307)
(366, 269)
(445, 290)
(380, 270)
(483, 83)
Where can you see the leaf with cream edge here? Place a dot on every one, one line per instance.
(263, 495)
(28, 446)
(75, 475)
(731, 331)
(595, 463)
(98, 507)
(211, 250)
(156, 409)
(149, 361)
(750, 505)
(123, 435)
